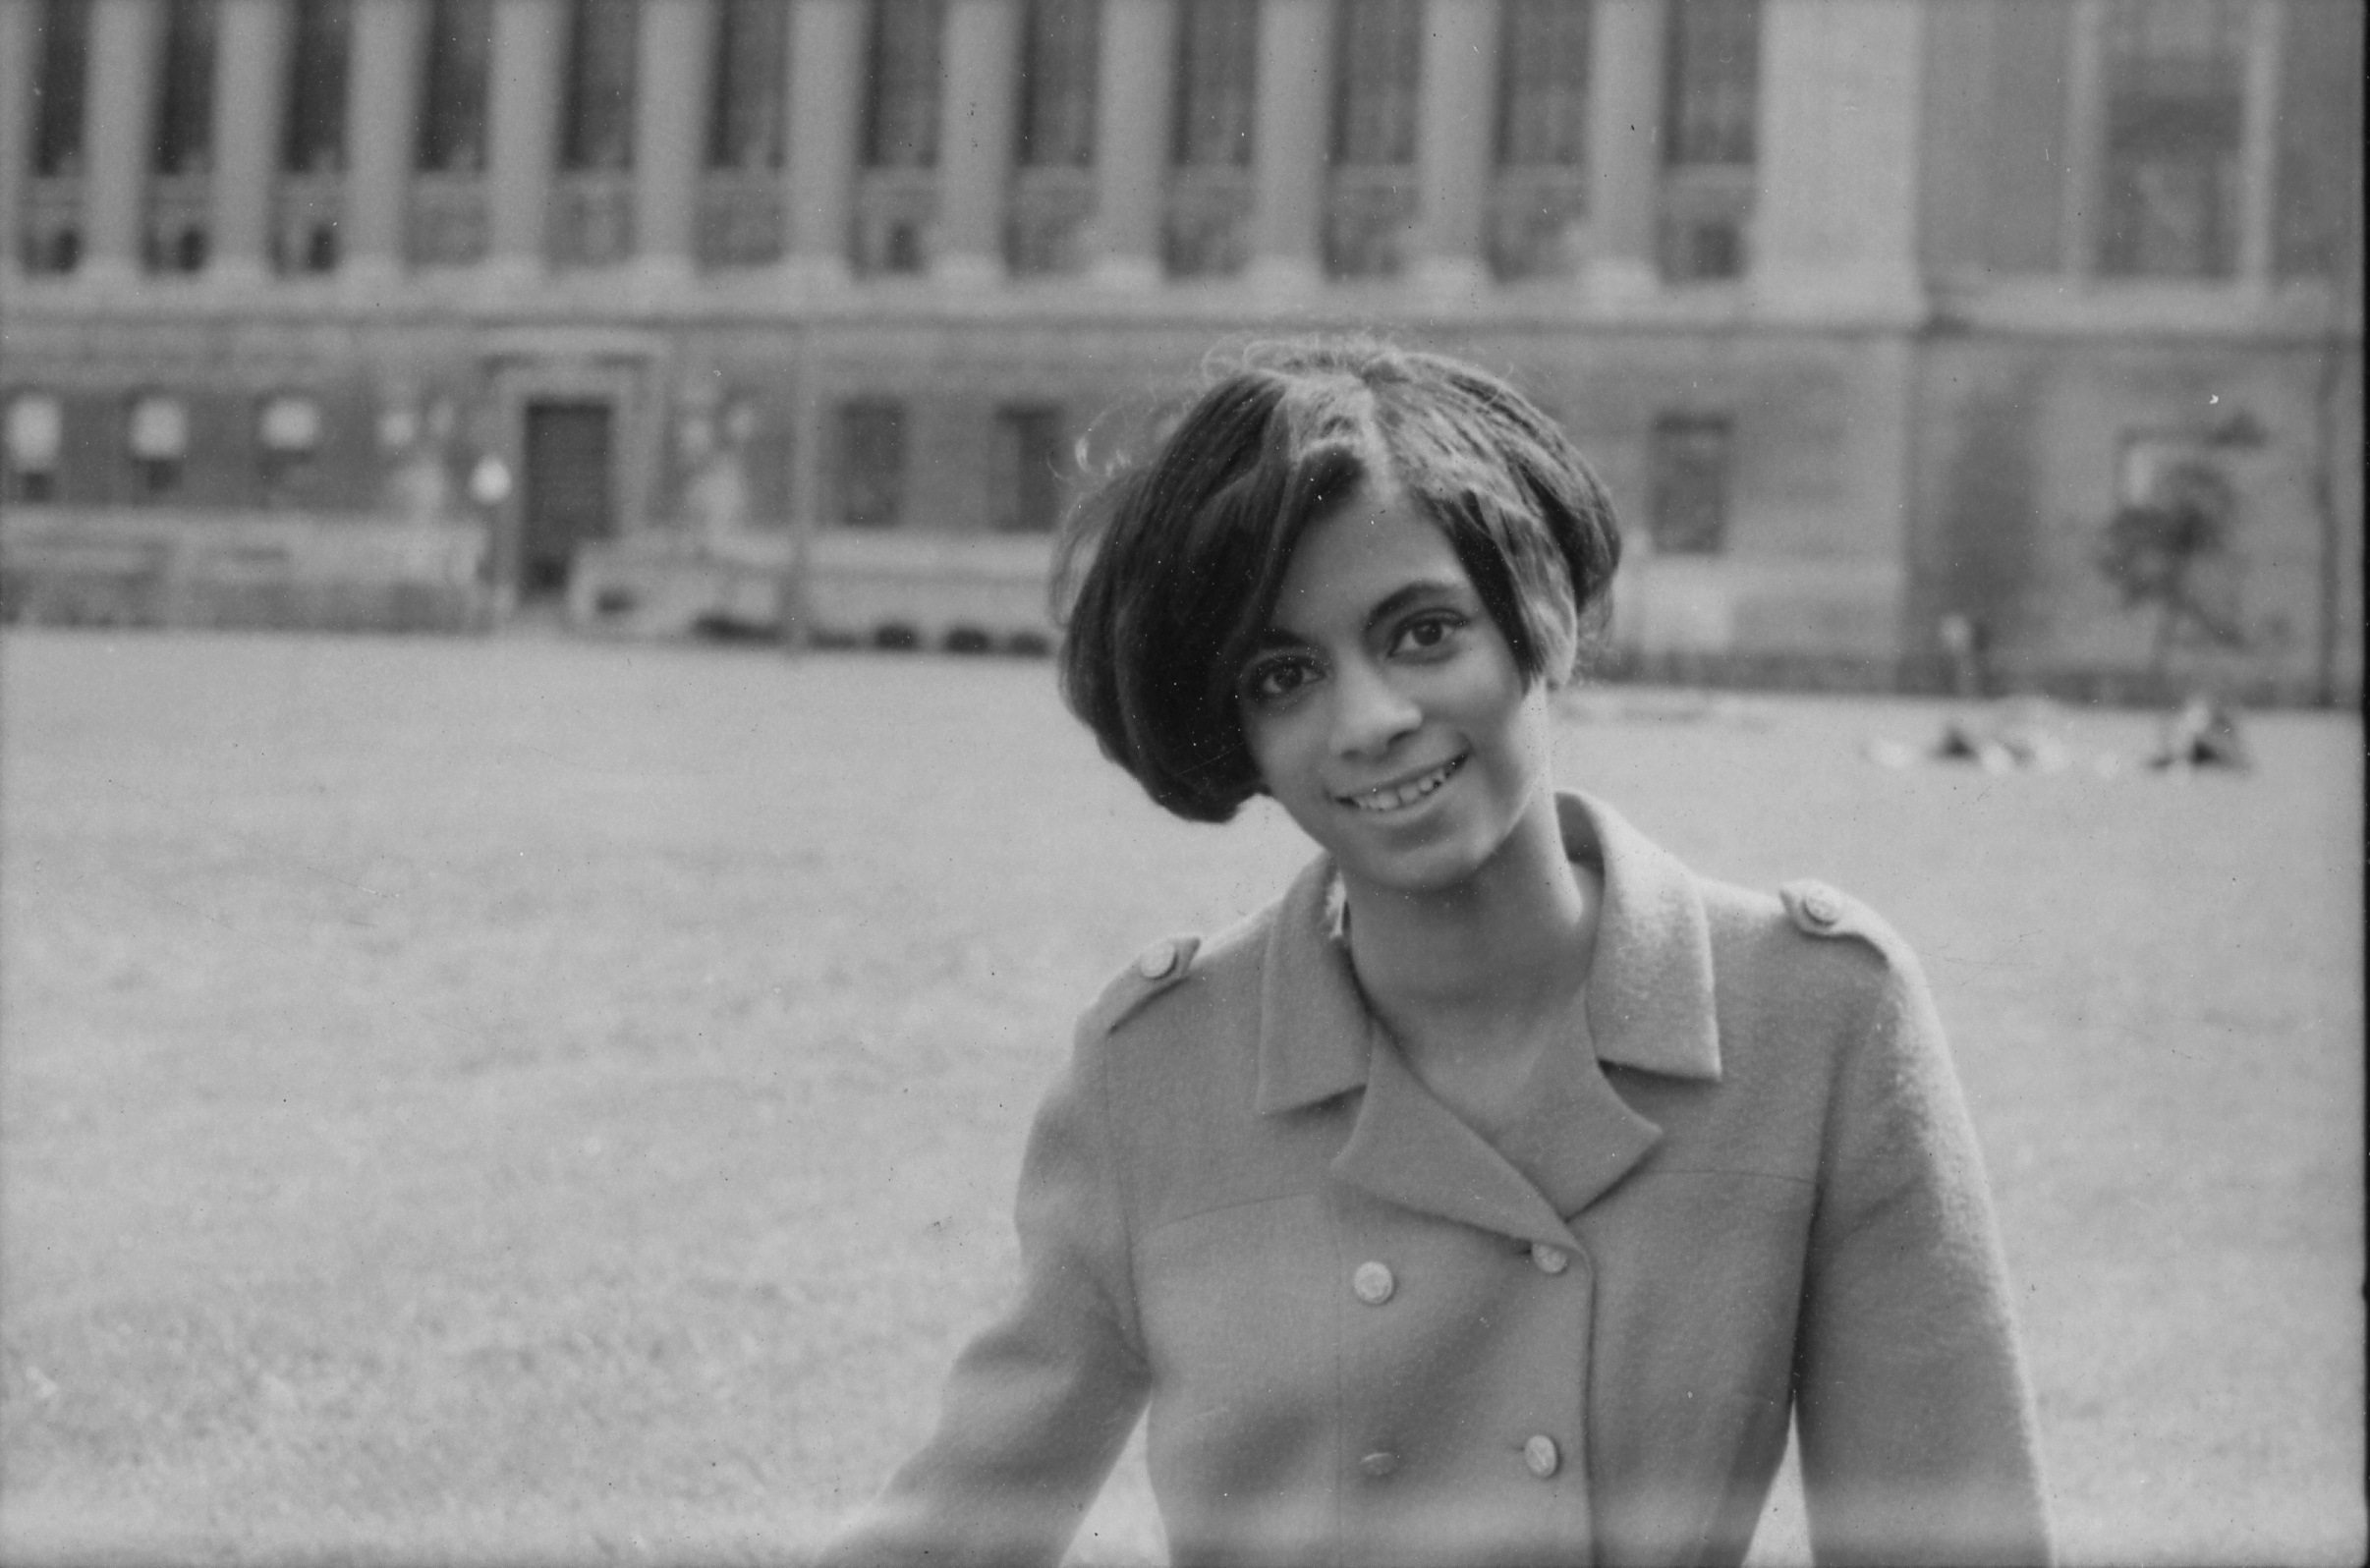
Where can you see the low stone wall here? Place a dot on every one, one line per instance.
(122, 567)
(966, 592)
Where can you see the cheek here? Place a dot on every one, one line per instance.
(1268, 742)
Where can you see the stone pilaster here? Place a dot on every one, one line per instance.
(1132, 127)
(16, 127)
(119, 106)
(382, 96)
(522, 92)
(1294, 112)
(1624, 144)
(1453, 153)
(676, 37)
(2259, 144)
(251, 76)
(1834, 227)
(2085, 137)
(975, 165)
(826, 94)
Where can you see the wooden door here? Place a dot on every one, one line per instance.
(570, 494)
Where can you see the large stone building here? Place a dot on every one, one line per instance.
(1872, 312)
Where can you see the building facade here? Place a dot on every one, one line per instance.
(1872, 312)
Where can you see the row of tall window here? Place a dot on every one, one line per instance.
(2175, 138)
(2174, 86)
(1541, 122)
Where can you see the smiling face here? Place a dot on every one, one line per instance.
(1385, 712)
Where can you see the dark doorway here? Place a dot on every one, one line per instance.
(567, 499)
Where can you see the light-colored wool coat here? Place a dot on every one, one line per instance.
(1369, 1337)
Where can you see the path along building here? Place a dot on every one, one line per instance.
(1872, 312)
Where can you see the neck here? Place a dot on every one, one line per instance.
(1485, 960)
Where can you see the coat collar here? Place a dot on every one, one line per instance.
(1649, 1006)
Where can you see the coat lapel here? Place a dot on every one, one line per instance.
(1650, 1007)
(1577, 1138)
(1410, 1149)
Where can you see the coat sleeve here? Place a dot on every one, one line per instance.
(1912, 1406)
(1038, 1405)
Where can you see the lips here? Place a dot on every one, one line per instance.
(1407, 792)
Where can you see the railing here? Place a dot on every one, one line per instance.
(1534, 222)
(449, 220)
(307, 211)
(741, 218)
(1209, 228)
(1371, 215)
(1045, 231)
(53, 237)
(1704, 231)
(592, 217)
(896, 221)
(175, 224)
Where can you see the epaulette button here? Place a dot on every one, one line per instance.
(1159, 961)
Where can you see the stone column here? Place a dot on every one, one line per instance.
(827, 94)
(975, 165)
(2085, 139)
(522, 92)
(2259, 145)
(251, 73)
(16, 127)
(1625, 146)
(119, 106)
(1834, 227)
(676, 37)
(1453, 153)
(382, 96)
(1132, 113)
(1294, 113)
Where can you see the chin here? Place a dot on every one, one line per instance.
(1432, 869)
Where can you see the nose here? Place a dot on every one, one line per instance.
(1370, 713)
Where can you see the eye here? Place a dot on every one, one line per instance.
(1271, 680)
(1428, 634)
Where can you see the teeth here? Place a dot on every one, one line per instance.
(1407, 793)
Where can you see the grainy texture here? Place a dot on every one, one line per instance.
(458, 1099)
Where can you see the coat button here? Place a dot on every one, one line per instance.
(1373, 1283)
(1541, 1456)
(1159, 961)
(1378, 1464)
(1551, 1259)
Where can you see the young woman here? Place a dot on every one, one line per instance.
(1504, 1193)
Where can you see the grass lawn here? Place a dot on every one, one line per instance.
(536, 1101)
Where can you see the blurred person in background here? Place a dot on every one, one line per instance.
(1505, 1191)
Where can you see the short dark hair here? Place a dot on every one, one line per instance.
(1168, 575)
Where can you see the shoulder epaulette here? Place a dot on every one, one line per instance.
(1157, 968)
(1818, 909)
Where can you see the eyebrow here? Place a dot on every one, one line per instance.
(1392, 604)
